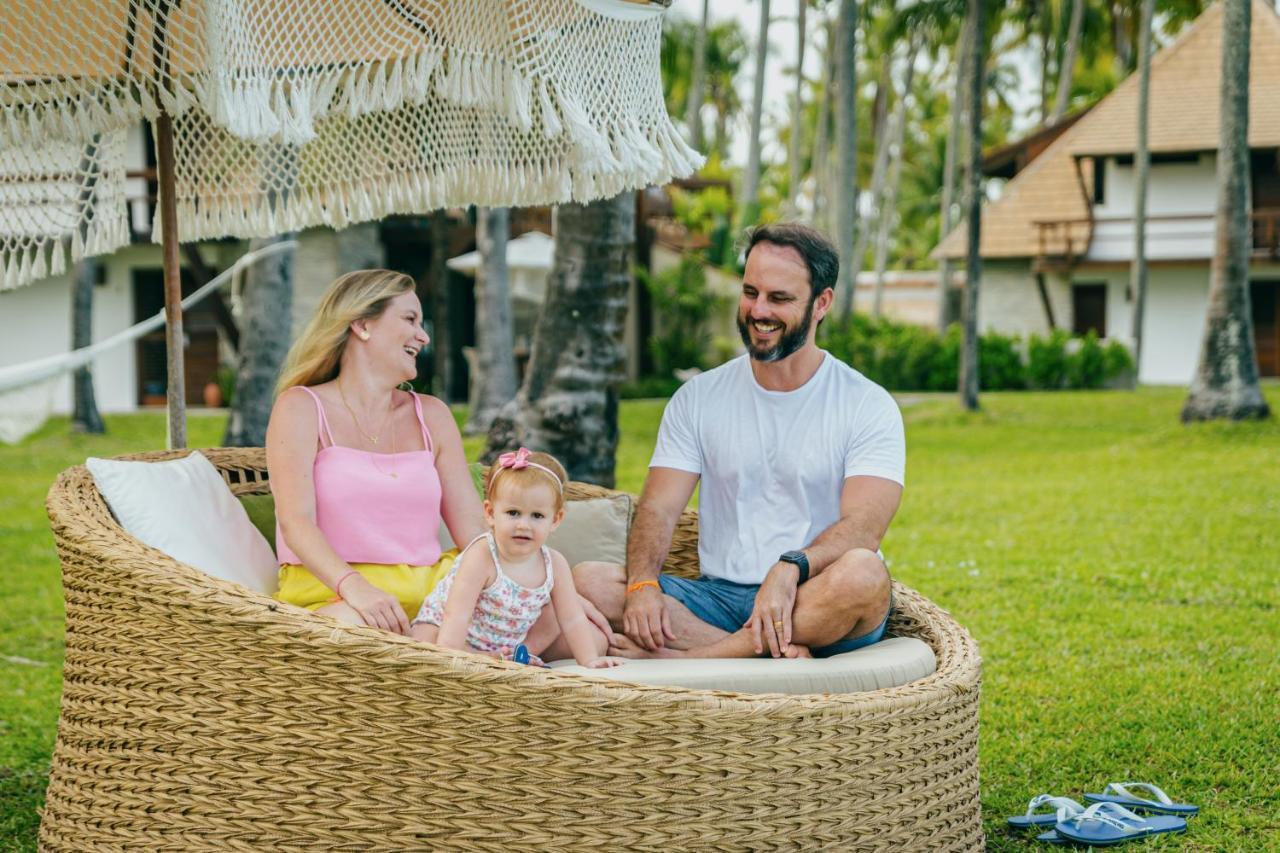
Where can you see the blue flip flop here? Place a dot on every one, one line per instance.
(1105, 824)
(1158, 803)
(1063, 808)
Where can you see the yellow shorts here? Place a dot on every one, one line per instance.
(410, 584)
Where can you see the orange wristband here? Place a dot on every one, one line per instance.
(641, 585)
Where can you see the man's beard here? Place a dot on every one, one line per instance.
(787, 344)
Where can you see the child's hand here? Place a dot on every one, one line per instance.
(604, 662)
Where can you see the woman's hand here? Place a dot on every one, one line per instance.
(378, 608)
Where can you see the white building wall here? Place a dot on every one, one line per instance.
(1173, 189)
(1009, 301)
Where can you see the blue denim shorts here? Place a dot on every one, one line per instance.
(728, 605)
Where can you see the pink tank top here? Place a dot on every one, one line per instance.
(374, 507)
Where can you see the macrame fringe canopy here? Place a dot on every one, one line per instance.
(295, 113)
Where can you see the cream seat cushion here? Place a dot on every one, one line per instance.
(892, 662)
(593, 529)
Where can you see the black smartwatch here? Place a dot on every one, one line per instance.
(800, 561)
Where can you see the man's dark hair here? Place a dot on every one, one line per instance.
(812, 245)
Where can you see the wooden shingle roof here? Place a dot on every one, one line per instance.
(1185, 91)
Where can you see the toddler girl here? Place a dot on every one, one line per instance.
(495, 592)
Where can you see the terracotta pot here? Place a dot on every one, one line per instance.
(212, 395)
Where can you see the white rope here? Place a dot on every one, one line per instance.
(40, 370)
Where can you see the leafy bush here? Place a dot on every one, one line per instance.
(1047, 361)
(683, 304)
(911, 358)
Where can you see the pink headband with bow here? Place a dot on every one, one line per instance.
(518, 461)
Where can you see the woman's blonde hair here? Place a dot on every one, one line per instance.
(361, 295)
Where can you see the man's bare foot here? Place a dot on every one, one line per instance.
(795, 650)
(624, 647)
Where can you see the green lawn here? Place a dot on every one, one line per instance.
(1118, 569)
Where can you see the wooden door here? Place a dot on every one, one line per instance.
(1265, 299)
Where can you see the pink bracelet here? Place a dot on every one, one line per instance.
(337, 588)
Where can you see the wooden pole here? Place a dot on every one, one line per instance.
(173, 337)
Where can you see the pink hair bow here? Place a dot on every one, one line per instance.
(515, 461)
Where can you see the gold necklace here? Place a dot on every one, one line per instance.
(392, 472)
(360, 429)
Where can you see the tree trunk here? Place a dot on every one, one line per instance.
(748, 208)
(264, 342)
(1066, 72)
(1120, 41)
(897, 136)
(879, 171)
(441, 341)
(797, 108)
(568, 404)
(493, 383)
(945, 316)
(1142, 169)
(1046, 52)
(1226, 382)
(85, 416)
(820, 167)
(846, 145)
(697, 81)
(973, 271)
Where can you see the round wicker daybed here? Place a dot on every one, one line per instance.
(197, 715)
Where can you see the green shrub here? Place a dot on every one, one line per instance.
(1118, 363)
(1000, 363)
(1047, 361)
(1086, 366)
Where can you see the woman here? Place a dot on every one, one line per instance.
(362, 471)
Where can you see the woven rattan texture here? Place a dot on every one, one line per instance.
(199, 716)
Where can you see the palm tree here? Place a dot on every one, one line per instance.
(1142, 169)
(797, 107)
(945, 317)
(1226, 382)
(441, 339)
(267, 305)
(568, 404)
(879, 170)
(1067, 68)
(973, 261)
(819, 167)
(888, 205)
(751, 175)
(85, 416)
(697, 81)
(846, 143)
(493, 381)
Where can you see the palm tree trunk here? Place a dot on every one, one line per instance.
(820, 167)
(797, 108)
(493, 383)
(879, 170)
(1142, 170)
(85, 416)
(568, 404)
(1066, 72)
(1226, 382)
(973, 270)
(897, 135)
(441, 339)
(697, 81)
(945, 315)
(264, 342)
(846, 182)
(751, 176)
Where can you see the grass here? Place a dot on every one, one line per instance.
(1117, 568)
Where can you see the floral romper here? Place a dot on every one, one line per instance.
(505, 611)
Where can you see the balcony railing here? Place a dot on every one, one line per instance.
(1064, 242)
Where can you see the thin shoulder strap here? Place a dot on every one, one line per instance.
(546, 562)
(426, 434)
(322, 422)
(493, 552)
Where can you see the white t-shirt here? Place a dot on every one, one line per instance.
(773, 463)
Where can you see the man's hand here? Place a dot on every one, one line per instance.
(770, 622)
(645, 619)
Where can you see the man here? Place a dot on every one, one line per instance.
(801, 463)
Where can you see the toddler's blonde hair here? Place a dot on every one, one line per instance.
(526, 477)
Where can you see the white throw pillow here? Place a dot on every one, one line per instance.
(594, 529)
(184, 508)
